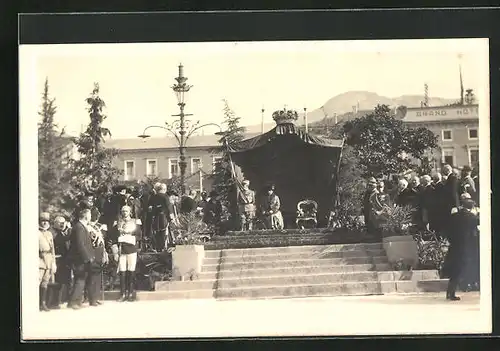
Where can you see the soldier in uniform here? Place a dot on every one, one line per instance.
(47, 258)
(128, 235)
(246, 206)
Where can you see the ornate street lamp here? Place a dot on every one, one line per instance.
(181, 129)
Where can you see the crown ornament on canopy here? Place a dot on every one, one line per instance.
(285, 116)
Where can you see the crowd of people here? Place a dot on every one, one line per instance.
(110, 230)
(445, 203)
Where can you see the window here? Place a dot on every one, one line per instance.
(173, 167)
(473, 156)
(215, 161)
(129, 170)
(473, 134)
(447, 135)
(449, 156)
(195, 164)
(151, 168)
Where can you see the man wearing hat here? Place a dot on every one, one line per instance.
(47, 258)
(467, 183)
(246, 206)
(464, 226)
(81, 254)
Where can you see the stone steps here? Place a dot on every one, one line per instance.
(292, 256)
(305, 279)
(320, 290)
(295, 263)
(291, 249)
(319, 269)
(335, 289)
(299, 271)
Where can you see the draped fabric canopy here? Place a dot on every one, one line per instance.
(300, 165)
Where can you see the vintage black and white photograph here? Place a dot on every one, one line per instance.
(246, 189)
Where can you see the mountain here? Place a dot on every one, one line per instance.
(365, 100)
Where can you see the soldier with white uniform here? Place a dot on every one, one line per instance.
(127, 234)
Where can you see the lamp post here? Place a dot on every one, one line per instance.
(181, 129)
(180, 89)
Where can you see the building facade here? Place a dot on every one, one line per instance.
(159, 157)
(456, 127)
(457, 130)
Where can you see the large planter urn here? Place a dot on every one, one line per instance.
(187, 261)
(401, 249)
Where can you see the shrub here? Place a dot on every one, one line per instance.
(190, 230)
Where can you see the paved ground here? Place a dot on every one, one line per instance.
(397, 314)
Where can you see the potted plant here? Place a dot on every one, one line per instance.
(431, 250)
(190, 234)
(399, 245)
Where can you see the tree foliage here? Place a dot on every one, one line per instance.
(223, 181)
(93, 171)
(350, 183)
(385, 144)
(53, 146)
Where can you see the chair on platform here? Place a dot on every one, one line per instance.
(306, 214)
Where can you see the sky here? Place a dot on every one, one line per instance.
(135, 79)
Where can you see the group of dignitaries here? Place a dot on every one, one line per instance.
(446, 204)
(109, 231)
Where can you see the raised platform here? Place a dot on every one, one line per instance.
(287, 237)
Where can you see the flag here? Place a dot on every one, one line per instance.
(461, 86)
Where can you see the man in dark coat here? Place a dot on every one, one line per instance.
(425, 201)
(81, 255)
(162, 214)
(134, 202)
(463, 225)
(212, 213)
(436, 212)
(61, 232)
(404, 196)
(188, 204)
(451, 199)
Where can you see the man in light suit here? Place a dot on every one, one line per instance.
(81, 255)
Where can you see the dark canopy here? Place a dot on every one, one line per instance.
(300, 165)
